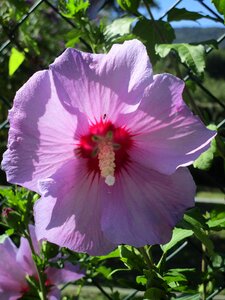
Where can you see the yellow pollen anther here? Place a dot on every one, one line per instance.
(106, 157)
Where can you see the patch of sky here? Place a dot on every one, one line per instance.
(191, 5)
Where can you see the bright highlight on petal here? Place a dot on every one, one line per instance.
(113, 169)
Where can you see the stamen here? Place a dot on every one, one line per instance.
(106, 157)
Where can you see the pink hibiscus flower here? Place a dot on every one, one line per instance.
(16, 264)
(105, 143)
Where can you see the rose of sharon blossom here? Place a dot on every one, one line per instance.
(16, 264)
(105, 143)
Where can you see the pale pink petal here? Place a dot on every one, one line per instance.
(24, 254)
(166, 133)
(143, 206)
(67, 274)
(43, 131)
(126, 69)
(69, 212)
(103, 84)
(12, 275)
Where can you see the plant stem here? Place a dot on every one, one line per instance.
(101, 289)
(203, 271)
(147, 257)
(39, 272)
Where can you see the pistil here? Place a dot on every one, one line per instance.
(106, 157)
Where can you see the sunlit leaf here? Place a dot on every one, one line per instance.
(179, 234)
(106, 272)
(15, 60)
(113, 254)
(204, 161)
(118, 28)
(129, 5)
(3, 237)
(191, 55)
(217, 218)
(141, 280)
(69, 8)
(220, 6)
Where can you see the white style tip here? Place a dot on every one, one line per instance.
(110, 180)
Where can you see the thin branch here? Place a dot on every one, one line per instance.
(68, 21)
(101, 289)
(154, 22)
(147, 257)
(218, 17)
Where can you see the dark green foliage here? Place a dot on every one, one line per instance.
(152, 33)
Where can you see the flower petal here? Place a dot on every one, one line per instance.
(103, 84)
(69, 212)
(126, 69)
(10, 295)
(24, 255)
(42, 132)
(67, 274)
(166, 133)
(144, 205)
(54, 294)
(12, 276)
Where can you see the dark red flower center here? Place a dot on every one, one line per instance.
(106, 149)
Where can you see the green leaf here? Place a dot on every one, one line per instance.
(118, 270)
(141, 280)
(9, 231)
(217, 218)
(191, 223)
(216, 223)
(176, 278)
(73, 37)
(179, 234)
(220, 6)
(106, 272)
(130, 258)
(113, 254)
(152, 33)
(118, 28)
(204, 161)
(191, 55)
(15, 60)
(129, 5)
(171, 277)
(69, 8)
(180, 14)
(2, 238)
(155, 293)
